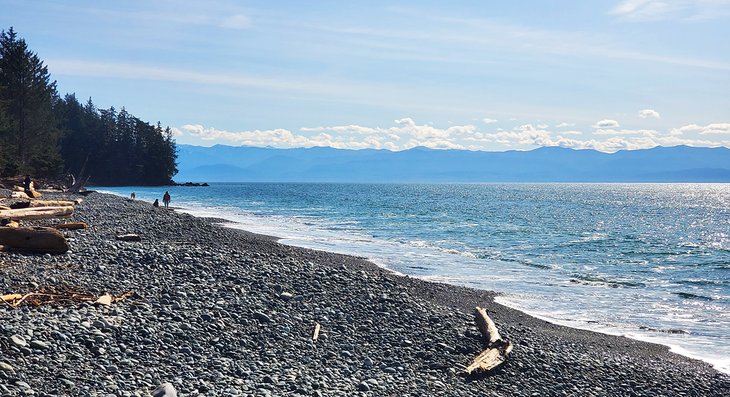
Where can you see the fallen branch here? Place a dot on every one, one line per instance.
(317, 327)
(496, 349)
(44, 297)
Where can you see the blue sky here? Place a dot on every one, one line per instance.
(608, 75)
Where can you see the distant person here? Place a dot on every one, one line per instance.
(156, 203)
(166, 199)
(26, 182)
(133, 196)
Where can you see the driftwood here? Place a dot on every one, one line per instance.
(19, 195)
(71, 226)
(496, 349)
(315, 335)
(129, 237)
(51, 203)
(37, 213)
(45, 297)
(35, 239)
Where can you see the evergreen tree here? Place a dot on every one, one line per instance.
(27, 97)
(39, 131)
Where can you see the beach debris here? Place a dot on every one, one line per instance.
(51, 203)
(19, 195)
(129, 237)
(71, 226)
(34, 239)
(105, 300)
(317, 328)
(37, 213)
(496, 349)
(44, 297)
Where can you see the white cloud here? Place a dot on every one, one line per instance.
(605, 124)
(649, 113)
(642, 10)
(611, 131)
(564, 125)
(238, 21)
(406, 133)
(489, 121)
(715, 128)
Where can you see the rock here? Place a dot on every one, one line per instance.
(6, 367)
(262, 317)
(286, 296)
(18, 341)
(165, 390)
(38, 344)
(363, 386)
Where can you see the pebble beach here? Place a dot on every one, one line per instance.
(216, 311)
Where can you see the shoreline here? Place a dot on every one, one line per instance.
(384, 333)
(501, 298)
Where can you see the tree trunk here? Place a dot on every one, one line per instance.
(36, 239)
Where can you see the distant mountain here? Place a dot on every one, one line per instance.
(548, 164)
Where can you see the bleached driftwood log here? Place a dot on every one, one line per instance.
(37, 213)
(496, 349)
(35, 239)
(129, 237)
(52, 203)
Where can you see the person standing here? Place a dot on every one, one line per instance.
(166, 199)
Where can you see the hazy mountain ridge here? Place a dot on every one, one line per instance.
(548, 164)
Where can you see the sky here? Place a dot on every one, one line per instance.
(478, 75)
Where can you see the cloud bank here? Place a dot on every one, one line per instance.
(406, 133)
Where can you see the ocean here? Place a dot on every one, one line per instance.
(647, 261)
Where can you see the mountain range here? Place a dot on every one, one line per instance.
(222, 163)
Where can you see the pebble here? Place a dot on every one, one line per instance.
(237, 317)
(18, 341)
(38, 344)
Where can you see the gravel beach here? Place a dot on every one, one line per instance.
(222, 312)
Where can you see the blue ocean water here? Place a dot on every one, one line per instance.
(648, 261)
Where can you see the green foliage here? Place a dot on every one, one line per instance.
(41, 134)
(27, 99)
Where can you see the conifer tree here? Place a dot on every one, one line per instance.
(27, 97)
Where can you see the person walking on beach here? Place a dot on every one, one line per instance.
(166, 199)
(26, 182)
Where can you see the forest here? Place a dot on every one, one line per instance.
(48, 136)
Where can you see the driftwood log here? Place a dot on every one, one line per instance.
(37, 213)
(129, 237)
(51, 203)
(495, 350)
(35, 239)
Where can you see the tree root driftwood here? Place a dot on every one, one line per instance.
(66, 295)
(495, 350)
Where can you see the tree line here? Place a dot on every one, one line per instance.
(46, 135)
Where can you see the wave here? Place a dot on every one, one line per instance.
(597, 280)
(688, 295)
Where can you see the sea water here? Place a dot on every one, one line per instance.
(648, 261)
